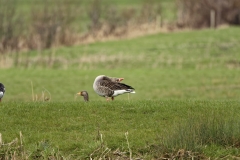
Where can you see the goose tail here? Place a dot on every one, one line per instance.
(131, 91)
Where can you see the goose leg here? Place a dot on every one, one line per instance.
(107, 98)
(112, 98)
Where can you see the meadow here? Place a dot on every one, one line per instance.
(190, 64)
(186, 103)
(145, 129)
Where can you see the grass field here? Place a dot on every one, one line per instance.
(62, 85)
(179, 65)
(153, 127)
(187, 97)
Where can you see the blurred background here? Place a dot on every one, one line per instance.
(76, 40)
(37, 25)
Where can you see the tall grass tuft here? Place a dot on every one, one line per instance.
(191, 137)
(15, 150)
(44, 150)
(197, 132)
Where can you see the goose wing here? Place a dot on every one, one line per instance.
(107, 83)
(2, 88)
(107, 87)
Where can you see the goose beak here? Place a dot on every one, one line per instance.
(79, 93)
(121, 79)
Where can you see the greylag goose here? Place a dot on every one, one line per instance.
(84, 94)
(110, 87)
(2, 91)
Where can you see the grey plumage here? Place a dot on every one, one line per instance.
(110, 87)
(2, 91)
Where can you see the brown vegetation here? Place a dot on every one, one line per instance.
(54, 23)
(197, 13)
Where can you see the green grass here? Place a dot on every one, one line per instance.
(165, 84)
(187, 97)
(74, 127)
(179, 65)
(206, 49)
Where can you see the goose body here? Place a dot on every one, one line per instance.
(2, 91)
(110, 87)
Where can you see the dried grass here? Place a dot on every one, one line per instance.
(197, 13)
(45, 96)
(123, 33)
(6, 61)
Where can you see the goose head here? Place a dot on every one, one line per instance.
(113, 79)
(84, 94)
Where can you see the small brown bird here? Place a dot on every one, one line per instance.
(84, 94)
